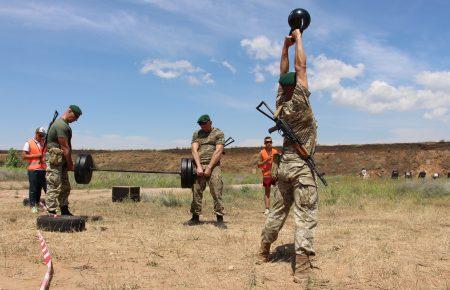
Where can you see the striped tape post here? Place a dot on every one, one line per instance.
(47, 261)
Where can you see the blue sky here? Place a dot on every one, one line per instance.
(144, 70)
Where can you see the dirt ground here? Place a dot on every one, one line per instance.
(374, 244)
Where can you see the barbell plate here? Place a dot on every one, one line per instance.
(191, 172)
(183, 173)
(76, 172)
(188, 174)
(83, 168)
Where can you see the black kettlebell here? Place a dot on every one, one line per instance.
(299, 19)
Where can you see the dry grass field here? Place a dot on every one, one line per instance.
(373, 234)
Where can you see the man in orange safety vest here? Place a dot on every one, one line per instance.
(33, 153)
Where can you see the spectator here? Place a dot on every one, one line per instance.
(33, 153)
(265, 163)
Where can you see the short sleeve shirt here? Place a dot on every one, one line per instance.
(207, 143)
(59, 128)
(26, 146)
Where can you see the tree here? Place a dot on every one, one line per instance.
(12, 160)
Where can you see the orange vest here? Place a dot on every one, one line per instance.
(35, 163)
(265, 168)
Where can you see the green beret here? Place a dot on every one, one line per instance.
(203, 119)
(76, 110)
(287, 79)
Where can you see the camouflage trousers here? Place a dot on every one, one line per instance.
(58, 185)
(215, 184)
(293, 188)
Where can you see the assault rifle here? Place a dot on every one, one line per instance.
(227, 142)
(286, 131)
(55, 115)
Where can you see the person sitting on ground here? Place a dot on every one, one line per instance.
(33, 153)
(265, 159)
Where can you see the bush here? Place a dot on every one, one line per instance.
(12, 160)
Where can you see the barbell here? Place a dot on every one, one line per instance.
(84, 166)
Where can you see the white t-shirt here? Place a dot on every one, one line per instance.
(26, 147)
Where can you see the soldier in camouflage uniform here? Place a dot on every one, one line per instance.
(296, 183)
(59, 161)
(207, 148)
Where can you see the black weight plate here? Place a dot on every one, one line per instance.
(83, 168)
(76, 172)
(183, 171)
(191, 174)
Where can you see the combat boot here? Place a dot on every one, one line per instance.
(195, 220)
(65, 210)
(220, 224)
(263, 253)
(303, 269)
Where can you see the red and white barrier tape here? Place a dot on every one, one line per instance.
(47, 261)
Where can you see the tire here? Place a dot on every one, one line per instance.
(61, 223)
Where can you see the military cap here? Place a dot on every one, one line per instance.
(203, 119)
(76, 110)
(287, 79)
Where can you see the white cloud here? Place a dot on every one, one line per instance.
(439, 80)
(261, 48)
(273, 68)
(193, 80)
(438, 114)
(326, 74)
(177, 69)
(380, 96)
(229, 66)
(207, 78)
(384, 62)
(258, 74)
(125, 26)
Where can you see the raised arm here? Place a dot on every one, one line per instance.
(300, 59)
(284, 62)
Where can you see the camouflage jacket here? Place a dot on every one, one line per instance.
(297, 112)
(207, 143)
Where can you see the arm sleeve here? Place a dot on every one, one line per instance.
(298, 103)
(220, 138)
(279, 97)
(62, 132)
(194, 137)
(26, 147)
